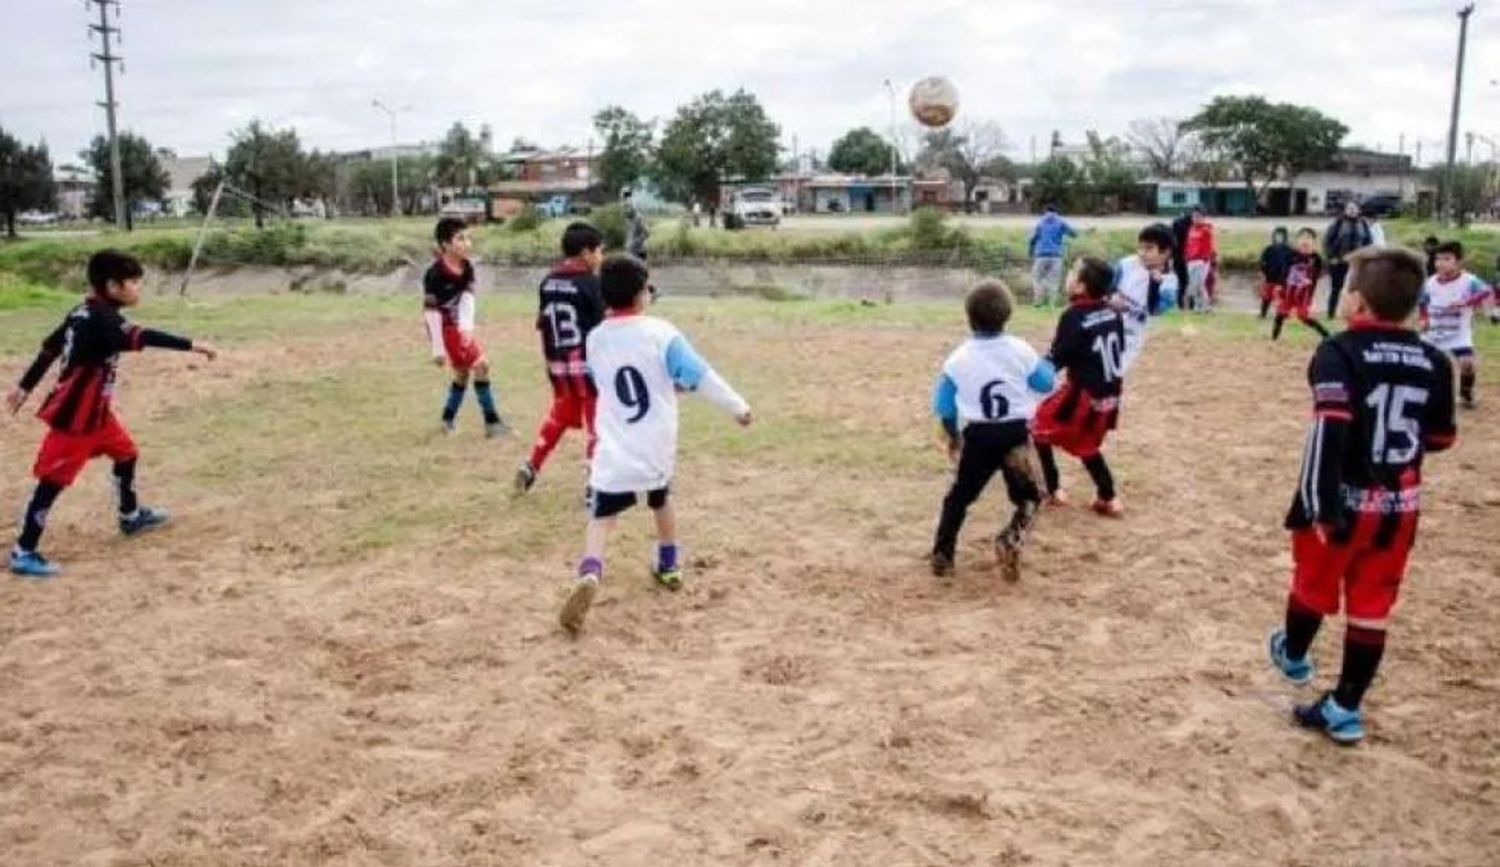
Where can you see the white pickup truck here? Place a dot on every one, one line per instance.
(754, 206)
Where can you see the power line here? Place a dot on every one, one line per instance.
(109, 59)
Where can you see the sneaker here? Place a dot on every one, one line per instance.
(1110, 508)
(668, 578)
(576, 607)
(497, 429)
(1297, 671)
(1009, 555)
(450, 426)
(1346, 727)
(942, 565)
(1057, 500)
(525, 478)
(30, 564)
(144, 519)
(1468, 402)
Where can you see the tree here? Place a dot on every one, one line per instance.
(966, 153)
(714, 138)
(461, 160)
(370, 183)
(271, 166)
(1058, 181)
(1266, 140)
(25, 179)
(140, 168)
(1112, 179)
(1465, 190)
(1164, 142)
(863, 152)
(627, 148)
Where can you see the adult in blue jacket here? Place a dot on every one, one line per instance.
(1049, 242)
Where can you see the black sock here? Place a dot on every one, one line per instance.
(1049, 468)
(1276, 327)
(1362, 651)
(455, 400)
(125, 486)
(1466, 384)
(1301, 628)
(35, 520)
(1104, 482)
(486, 399)
(1316, 326)
(1265, 307)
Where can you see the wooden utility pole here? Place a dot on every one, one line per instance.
(109, 59)
(1458, 89)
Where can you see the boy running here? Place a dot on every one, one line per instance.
(569, 306)
(1076, 418)
(1301, 283)
(1144, 287)
(640, 362)
(985, 399)
(79, 411)
(1382, 399)
(1275, 262)
(1449, 300)
(448, 302)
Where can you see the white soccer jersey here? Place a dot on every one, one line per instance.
(989, 375)
(1450, 310)
(1133, 286)
(638, 363)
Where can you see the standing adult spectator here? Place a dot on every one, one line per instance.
(636, 231)
(1049, 243)
(1345, 234)
(1180, 227)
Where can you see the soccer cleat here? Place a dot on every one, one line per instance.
(497, 429)
(144, 519)
(525, 477)
(942, 565)
(668, 578)
(1297, 671)
(30, 564)
(1345, 727)
(1057, 500)
(1109, 508)
(580, 598)
(1468, 401)
(450, 426)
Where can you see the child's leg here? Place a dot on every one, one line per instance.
(1302, 625)
(125, 487)
(456, 391)
(1467, 375)
(1313, 324)
(1363, 648)
(1276, 324)
(977, 463)
(666, 532)
(1020, 486)
(485, 396)
(34, 521)
(595, 540)
(1050, 477)
(1104, 481)
(549, 433)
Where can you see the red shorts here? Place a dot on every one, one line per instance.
(1367, 577)
(1270, 291)
(1075, 422)
(573, 412)
(1295, 302)
(62, 455)
(464, 352)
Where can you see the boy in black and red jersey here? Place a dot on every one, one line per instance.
(1382, 399)
(1295, 296)
(1088, 345)
(79, 411)
(569, 305)
(448, 308)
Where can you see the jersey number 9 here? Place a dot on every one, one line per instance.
(630, 388)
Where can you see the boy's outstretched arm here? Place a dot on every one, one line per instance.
(51, 349)
(691, 373)
(137, 339)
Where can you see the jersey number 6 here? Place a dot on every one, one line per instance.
(992, 403)
(630, 388)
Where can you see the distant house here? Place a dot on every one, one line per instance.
(541, 176)
(76, 187)
(1354, 175)
(181, 172)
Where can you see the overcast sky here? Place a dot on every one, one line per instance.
(540, 68)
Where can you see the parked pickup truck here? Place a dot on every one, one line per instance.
(754, 206)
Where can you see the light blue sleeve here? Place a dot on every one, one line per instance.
(1167, 294)
(945, 398)
(1068, 229)
(686, 367)
(1043, 377)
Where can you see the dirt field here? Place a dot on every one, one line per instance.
(344, 651)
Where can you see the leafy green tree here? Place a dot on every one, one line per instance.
(1112, 179)
(25, 179)
(140, 168)
(626, 157)
(461, 159)
(1265, 140)
(370, 183)
(713, 138)
(1060, 182)
(1467, 190)
(271, 166)
(862, 152)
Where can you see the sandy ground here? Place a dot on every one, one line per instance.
(245, 688)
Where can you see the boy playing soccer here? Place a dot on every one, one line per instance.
(1382, 399)
(1088, 345)
(448, 302)
(1449, 300)
(79, 411)
(1144, 287)
(1275, 261)
(569, 306)
(985, 399)
(1301, 282)
(639, 362)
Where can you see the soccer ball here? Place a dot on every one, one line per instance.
(933, 101)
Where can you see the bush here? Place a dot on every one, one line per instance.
(528, 220)
(610, 221)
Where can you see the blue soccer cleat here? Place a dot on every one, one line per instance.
(145, 518)
(30, 564)
(1298, 671)
(1344, 727)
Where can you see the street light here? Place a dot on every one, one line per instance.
(395, 187)
(891, 89)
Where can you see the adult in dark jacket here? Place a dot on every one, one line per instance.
(1345, 234)
(1180, 228)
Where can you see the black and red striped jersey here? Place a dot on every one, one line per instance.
(443, 289)
(88, 343)
(1088, 344)
(570, 304)
(1382, 399)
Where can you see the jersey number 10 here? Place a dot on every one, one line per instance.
(1108, 348)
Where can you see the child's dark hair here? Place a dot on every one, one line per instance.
(1452, 248)
(1430, 242)
(988, 305)
(1389, 280)
(107, 265)
(1159, 234)
(579, 237)
(1306, 232)
(1279, 232)
(622, 278)
(1096, 275)
(447, 228)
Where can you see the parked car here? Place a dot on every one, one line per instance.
(37, 218)
(1381, 205)
(754, 206)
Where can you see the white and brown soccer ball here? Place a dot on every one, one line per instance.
(933, 101)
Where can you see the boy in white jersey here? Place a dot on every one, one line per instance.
(985, 398)
(1447, 310)
(639, 363)
(1144, 287)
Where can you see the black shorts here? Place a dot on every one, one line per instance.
(603, 504)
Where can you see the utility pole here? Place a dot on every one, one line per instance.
(395, 184)
(109, 59)
(891, 89)
(1458, 89)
